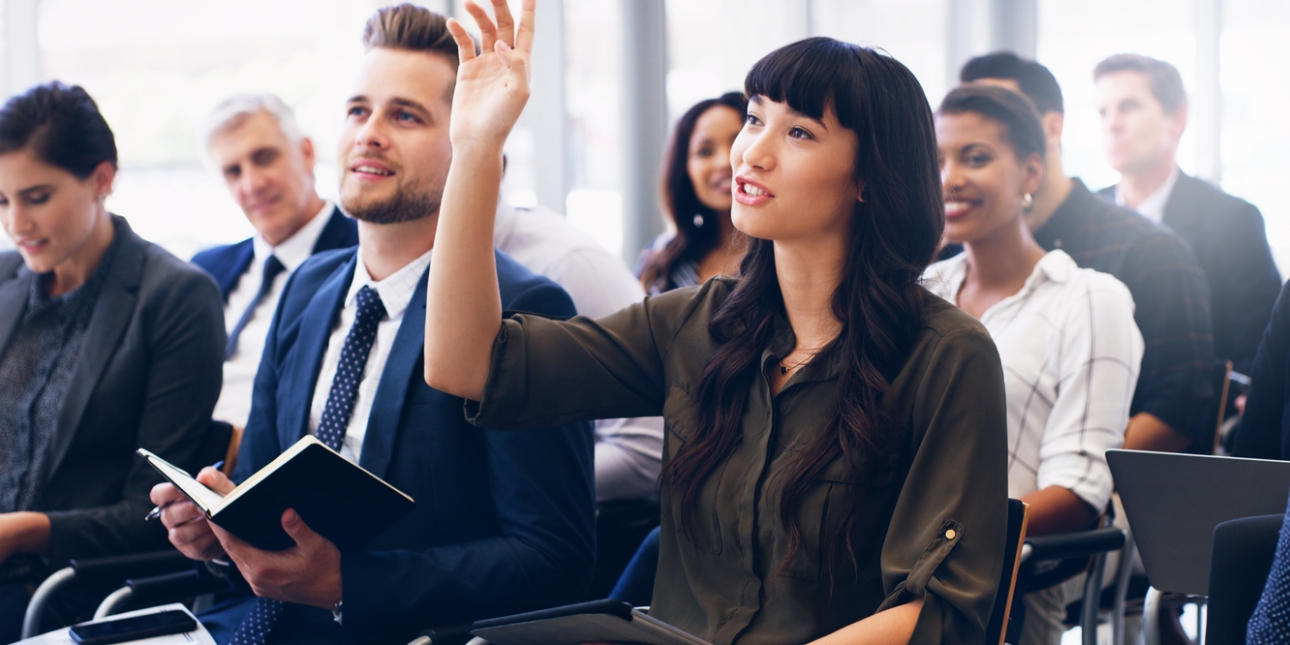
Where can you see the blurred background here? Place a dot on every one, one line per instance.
(611, 75)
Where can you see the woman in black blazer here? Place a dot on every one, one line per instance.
(107, 343)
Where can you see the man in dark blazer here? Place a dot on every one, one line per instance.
(504, 521)
(268, 167)
(147, 375)
(1144, 111)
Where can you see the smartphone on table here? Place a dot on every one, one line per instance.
(106, 632)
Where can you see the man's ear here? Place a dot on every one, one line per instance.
(307, 151)
(1179, 122)
(1053, 122)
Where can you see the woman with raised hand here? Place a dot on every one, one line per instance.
(1070, 349)
(107, 344)
(834, 466)
(697, 197)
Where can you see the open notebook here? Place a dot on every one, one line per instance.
(335, 497)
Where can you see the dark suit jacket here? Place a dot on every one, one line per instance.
(1226, 233)
(504, 521)
(148, 376)
(227, 263)
(1264, 432)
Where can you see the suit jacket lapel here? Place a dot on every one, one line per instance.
(300, 379)
(112, 314)
(244, 253)
(13, 303)
(339, 233)
(400, 369)
(1179, 213)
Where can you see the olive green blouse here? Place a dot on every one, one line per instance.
(935, 530)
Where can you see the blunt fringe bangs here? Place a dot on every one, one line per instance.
(897, 226)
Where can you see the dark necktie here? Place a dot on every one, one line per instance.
(272, 267)
(259, 622)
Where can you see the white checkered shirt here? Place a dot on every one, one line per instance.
(1071, 355)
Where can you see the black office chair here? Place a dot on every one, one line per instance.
(1238, 570)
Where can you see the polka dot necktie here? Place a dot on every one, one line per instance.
(255, 628)
(272, 267)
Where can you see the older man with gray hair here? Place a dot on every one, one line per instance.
(267, 163)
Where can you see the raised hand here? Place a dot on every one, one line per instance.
(492, 86)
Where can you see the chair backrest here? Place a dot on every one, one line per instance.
(1238, 570)
(1223, 379)
(1018, 517)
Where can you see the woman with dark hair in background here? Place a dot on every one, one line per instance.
(107, 344)
(696, 195)
(834, 466)
(1066, 336)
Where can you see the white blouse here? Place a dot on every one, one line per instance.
(1071, 354)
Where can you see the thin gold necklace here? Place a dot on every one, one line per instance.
(783, 369)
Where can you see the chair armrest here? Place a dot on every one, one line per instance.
(166, 588)
(1073, 545)
(117, 568)
(446, 635)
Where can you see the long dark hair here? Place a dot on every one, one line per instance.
(879, 301)
(681, 202)
(61, 125)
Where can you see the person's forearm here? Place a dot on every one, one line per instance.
(463, 306)
(24, 532)
(1147, 432)
(894, 626)
(1055, 510)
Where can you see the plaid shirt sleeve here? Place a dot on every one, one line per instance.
(1173, 312)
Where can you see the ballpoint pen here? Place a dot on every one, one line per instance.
(156, 510)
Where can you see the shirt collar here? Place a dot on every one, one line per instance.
(1153, 207)
(396, 290)
(293, 251)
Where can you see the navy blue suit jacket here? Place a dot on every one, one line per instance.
(1264, 432)
(504, 521)
(227, 263)
(1226, 233)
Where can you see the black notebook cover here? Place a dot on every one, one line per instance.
(336, 498)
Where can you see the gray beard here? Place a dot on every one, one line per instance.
(405, 206)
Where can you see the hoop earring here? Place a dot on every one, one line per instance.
(1027, 201)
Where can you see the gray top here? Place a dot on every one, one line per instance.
(35, 374)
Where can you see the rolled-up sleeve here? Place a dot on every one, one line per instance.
(946, 538)
(546, 372)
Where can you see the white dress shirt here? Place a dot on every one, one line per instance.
(234, 405)
(1071, 353)
(629, 452)
(396, 292)
(1153, 207)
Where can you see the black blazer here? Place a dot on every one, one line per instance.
(148, 376)
(504, 521)
(227, 263)
(1226, 233)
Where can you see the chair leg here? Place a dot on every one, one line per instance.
(36, 606)
(1092, 599)
(1151, 616)
(1122, 576)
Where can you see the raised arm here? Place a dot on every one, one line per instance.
(463, 306)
